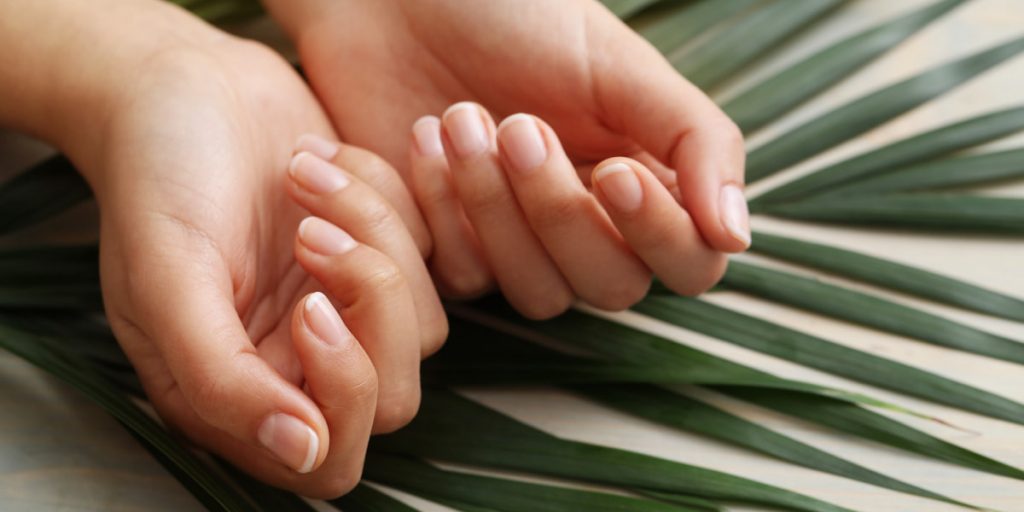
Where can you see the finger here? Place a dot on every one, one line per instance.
(183, 301)
(376, 302)
(656, 228)
(377, 173)
(344, 200)
(565, 216)
(457, 262)
(342, 381)
(526, 274)
(652, 104)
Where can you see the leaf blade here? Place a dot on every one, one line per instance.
(873, 109)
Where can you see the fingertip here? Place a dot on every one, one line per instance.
(317, 145)
(468, 128)
(292, 441)
(619, 187)
(324, 322)
(324, 238)
(735, 216)
(426, 133)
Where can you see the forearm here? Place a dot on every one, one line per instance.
(64, 62)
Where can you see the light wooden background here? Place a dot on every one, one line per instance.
(60, 452)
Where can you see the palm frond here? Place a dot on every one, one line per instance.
(49, 301)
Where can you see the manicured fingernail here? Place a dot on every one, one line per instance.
(427, 133)
(466, 129)
(325, 238)
(315, 174)
(323, 320)
(522, 142)
(620, 186)
(317, 145)
(291, 440)
(735, 216)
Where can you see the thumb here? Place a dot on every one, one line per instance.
(649, 102)
(341, 380)
(221, 384)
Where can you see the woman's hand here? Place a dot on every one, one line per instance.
(507, 202)
(225, 303)
(379, 66)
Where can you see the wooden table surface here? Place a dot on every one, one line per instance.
(60, 452)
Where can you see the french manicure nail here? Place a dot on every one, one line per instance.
(323, 320)
(315, 174)
(522, 142)
(620, 186)
(427, 133)
(291, 440)
(325, 238)
(317, 145)
(735, 216)
(466, 129)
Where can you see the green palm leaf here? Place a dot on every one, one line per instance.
(919, 148)
(887, 274)
(510, 358)
(54, 179)
(932, 212)
(815, 352)
(675, 410)
(671, 28)
(203, 483)
(862, 114)
(866, 309)
(54, 292)
(499, 493)
(970, 170)
(449, 427)
(727, 51)
(773, 97)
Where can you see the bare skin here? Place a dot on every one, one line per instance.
(595, 83)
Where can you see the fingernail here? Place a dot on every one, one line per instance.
(325, 238)
(317, 145)
(620, 186)
(522, 142)
(291, 440)
(324, 321)
(735, 215)
(427, 133)
(316, 175)
(465, 129)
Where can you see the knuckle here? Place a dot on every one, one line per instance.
(337, 484)
(436, 335)
(377, 217)
(464, 283)
(385, 278)
(543, 306)
(621, 294)
(557, 212)
(364, 385)
(702, 279)
(486, 200)
(730, 132)
(395, 412)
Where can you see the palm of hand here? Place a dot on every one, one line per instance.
(543, 63)
(197, 230)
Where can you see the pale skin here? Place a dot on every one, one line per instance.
(543, 240)
(252, 266)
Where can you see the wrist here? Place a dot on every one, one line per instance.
(97, 77)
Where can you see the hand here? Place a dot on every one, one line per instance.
(379, 66)
(508, 201)
(225, 303)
